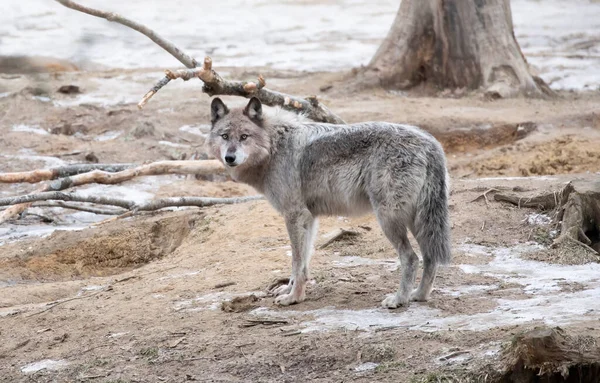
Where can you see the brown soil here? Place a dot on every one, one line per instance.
(135, 296)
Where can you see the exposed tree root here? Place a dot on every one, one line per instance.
(577, 210)
(550, 355)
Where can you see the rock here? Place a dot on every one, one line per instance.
(143, 130)
(91, 157)
(69, 89)
(69, 129)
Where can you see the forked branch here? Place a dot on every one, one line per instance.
(206, 167)
(213, 83)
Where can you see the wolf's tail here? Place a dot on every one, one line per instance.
(432, 222)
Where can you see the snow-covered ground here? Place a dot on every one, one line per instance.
(561, 38)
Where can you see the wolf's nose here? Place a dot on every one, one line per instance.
(229, 159)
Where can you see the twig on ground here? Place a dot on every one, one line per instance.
(484, 196)
(223, 285)
(278, 282)
(263, 321)
(339, 235)
(54, 304)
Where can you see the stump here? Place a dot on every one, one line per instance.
(549, 355)
(576, 208)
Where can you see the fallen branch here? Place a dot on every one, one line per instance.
(543, 202)
(73, 206)
(39, 175)
(205, 167)
(213, 83)
(126, 204)
(339, 235)
(54, 304)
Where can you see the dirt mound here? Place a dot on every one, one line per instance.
(483, 137)
(101, 251)
(34, 64)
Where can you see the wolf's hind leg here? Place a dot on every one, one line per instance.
(396, 232)
(421, 294)
(302, 227)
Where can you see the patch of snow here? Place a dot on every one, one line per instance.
(536, 277)
(117, 334)
(29, 129)
(198, 130)
(42, 98)
(538, 219)
(366, 367)
(108, 136)
(173, 144)
(93, 288)
(12, 233)
(353, 261)
(546, 303)
(181, 275)
(46, 364)
(47, 160)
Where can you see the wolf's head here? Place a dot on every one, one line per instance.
(238, 137)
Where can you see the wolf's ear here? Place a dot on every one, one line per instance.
(218, 110)
(254, 109)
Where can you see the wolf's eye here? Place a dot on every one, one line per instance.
(225, 136)
(243, 137)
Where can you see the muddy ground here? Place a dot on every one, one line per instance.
(142, 299)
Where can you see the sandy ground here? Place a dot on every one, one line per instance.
(179, 295)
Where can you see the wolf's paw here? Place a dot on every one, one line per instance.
(288, 299)
(282, 290)
(392, 302)
(419, 296)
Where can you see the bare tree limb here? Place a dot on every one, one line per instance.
(15, 210)
(213, 83)
(126, 204)
(38, 175)
(204, 167)
(186, 60)
(75, 206)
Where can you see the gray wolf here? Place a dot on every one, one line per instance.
(307, 169)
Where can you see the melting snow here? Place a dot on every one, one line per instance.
(539, 280)
(46, 364)
(558, 38)
(29, 129)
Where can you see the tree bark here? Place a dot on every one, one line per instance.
(454, 44)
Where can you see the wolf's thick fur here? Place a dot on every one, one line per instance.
(308, 169)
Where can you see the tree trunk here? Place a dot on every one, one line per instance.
(454, 44)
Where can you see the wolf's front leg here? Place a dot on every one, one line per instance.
(302, 227)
